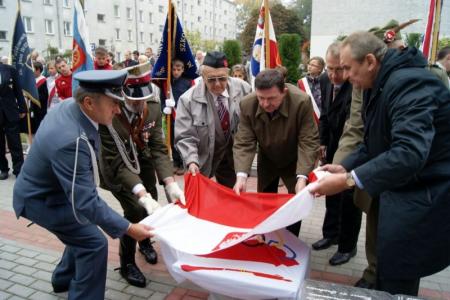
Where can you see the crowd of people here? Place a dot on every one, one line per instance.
(373, 113)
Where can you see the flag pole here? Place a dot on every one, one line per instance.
(169, 73)
(266, 34)
(436, 26)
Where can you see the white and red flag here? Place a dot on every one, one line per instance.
(304, 86)
(431, 37)
(234, 245)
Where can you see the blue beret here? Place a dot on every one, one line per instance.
(108, 82)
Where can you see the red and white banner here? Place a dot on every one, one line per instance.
(304, 86)
(234, 245)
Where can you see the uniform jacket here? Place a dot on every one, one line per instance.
(47, 172)
(288, 141)
(404, 162)
(334, 114)
(12, 102)
(63, 86)
(195, 126)
(115, 173)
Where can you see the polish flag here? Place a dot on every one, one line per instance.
(234, 245)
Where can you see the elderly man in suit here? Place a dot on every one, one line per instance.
(402, 163)
(207, 118)
(12, 109)
(342, 218)
(278, 118)
(57, 186)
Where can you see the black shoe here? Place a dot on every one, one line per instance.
(4, 175)
(364, 284)
(149, 253)
(340, 258)
(133, 275)
(324, 243)
(59, 288)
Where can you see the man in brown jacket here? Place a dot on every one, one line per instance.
(278, 117)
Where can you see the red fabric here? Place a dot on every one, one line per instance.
(203, 196)
(300, 85)
(104, 67)
(275, 59)
(41, 81)
(428, 31)
(63, 86)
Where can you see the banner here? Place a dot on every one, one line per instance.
(234, 245)
(180, 50)
(431, 37)
(81, 51)
(21, 61)
(258, 60)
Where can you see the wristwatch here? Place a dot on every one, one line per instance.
(349, 180)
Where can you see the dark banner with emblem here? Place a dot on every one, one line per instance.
(181, 51)
(21, 60)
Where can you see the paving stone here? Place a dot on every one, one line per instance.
(26, 261)
(115, 295)
(20, 290)
(138, 298)
(4, 284)
(22, 279)
(11, 249)
(158, 296)
(43, 296)
(115, 285)
(41, 285)
(43, 275)
(8, 256)
(28, 253)
(15, 297)
(4, 295)
(8, 265)
(140, 292)
(24, 270)
(5, 274)
(46, 258)
(158, 287)
(45, 266)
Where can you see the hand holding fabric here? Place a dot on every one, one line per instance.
(193, 168)
(149, 203)
(175, 193)
(240, 185)
(170, 103)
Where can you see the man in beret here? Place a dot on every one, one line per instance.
(56, 188)
(207, 118)
(129, 164)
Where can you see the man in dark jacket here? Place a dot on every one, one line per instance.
(404, 160)
(342, 218)
(12, 109)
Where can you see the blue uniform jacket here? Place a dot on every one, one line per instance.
(48, 171)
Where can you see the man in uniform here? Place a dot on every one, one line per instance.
(279, 119)
(132, 150)
(207, 118)
(57, 186)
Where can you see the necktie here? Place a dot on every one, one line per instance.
(336, 90)
(224, 116)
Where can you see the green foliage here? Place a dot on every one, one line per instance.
(303, 8)
(284, 21)
(444, 42)
(197, 43)
(232, 49)
(413, 39)
(289, 47)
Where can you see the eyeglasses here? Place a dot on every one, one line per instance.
(313, 65)
(215, 79)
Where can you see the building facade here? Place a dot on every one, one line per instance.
(331, 18)
(118, 25)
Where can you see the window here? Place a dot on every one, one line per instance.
(151, 37)
(102, 42)
(67, 28)
(161, 28)
(101, 18)
(116, 11)
(1, 3)
(130, 35)
(66, 3)
(141, 36)
(47, 2)
(118, 56)
(150, 17)
(49, 27)
(161, 8)
(129, 13)
(141, 16)
(2, 35)
(28, 24)
(117, 34)
(225, 26)
(199, 18)
(199, 2)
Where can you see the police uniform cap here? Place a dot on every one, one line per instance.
(108, 82)
(215, 59)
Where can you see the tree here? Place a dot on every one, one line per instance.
(197, 43)
(413, 39)
(444, 42)
(289, 46)
(303, 8)
(232, 50)
(283, 19)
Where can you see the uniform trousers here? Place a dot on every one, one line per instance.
(12, 132)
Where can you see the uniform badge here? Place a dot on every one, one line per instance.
(389, 36)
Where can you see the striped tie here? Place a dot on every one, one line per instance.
(224, 116)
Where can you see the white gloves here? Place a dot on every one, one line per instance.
(175, 193)
(170, 103)
(167, 110)
(149, 203)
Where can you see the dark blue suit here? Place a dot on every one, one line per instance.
(43, 192)
(12, 103)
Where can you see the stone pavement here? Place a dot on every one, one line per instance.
(28, 255)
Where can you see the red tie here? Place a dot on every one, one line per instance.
(224, 116)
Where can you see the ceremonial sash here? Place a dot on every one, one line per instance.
(304, 86)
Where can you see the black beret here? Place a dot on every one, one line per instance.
(215, 59)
